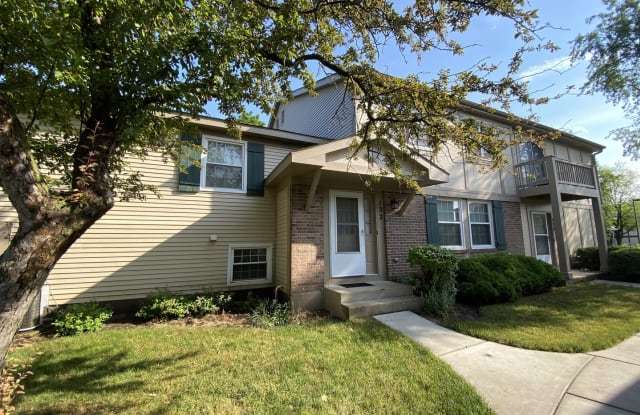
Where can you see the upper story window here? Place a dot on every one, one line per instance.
(482, 153)
(224, 165)
(481, 224)
(529, 151)
(450, 224)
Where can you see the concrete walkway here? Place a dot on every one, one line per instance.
(518, 381)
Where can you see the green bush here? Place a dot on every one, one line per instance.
(80, 318)
(502, 277)
(587, 258)
(437, 282)
(202, 305)
(624, 263)
(164, 306)
(270, 313)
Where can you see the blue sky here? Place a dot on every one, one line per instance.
(590, 117)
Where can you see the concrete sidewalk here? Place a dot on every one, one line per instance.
(518, 381)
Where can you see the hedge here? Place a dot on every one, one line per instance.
(624, 263)
(502, 277)
(587, 258)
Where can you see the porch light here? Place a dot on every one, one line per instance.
(395, 204)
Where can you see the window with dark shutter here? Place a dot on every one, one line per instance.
(498, 224)
(255, 169)
(431, 207)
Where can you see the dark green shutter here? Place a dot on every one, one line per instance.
(431, 212)
(498, 224)
(255, 169)
(189, 172)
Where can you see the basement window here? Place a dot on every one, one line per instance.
(249, 264)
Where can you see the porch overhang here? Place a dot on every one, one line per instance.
(332, 160)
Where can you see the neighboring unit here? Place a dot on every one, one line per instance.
(287, 206)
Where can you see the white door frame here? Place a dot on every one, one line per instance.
(346, 264)
(546, 258)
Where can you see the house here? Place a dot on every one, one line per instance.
(287, 206)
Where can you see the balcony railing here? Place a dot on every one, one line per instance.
(542, 171)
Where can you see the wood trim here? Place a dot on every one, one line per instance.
(312, 190)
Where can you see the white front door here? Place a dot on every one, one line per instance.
(347, 234)
(541, 236)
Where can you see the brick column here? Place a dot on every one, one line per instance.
(401, 233)
(307, 249)
(513, 230)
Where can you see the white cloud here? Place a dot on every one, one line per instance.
(577, 129)
(559, 64)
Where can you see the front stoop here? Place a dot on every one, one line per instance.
(380, 297)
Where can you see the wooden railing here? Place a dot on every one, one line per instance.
(540, 172)
(575, 174)
(532, 173)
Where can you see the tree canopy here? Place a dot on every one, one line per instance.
(248, 117)
(85, 82)
(613, 56)
(619, 186)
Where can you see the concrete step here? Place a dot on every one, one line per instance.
(377, 289)
(367, 308)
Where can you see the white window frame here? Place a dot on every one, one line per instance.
(230, 263)
(203, 164)
(490, 212)
(461, 223)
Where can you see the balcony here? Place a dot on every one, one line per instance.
(548, 174)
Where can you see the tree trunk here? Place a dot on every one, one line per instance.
(26, 263)
(618, 233)
(49, 223)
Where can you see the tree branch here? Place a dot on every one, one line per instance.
(19, 175)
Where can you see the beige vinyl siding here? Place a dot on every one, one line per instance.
(140, 247)
(579, 224)
(477, 179)
(283, 237)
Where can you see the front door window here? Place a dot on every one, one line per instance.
(347, 224)
(348, 256)
(541, 236)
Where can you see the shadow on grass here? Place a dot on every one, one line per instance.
(87, 374)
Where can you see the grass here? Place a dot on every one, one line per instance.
(321, 367)
(576, 318)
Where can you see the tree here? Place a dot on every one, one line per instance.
(619, 186)
(247, 117)
(614, 64)
(84, 82)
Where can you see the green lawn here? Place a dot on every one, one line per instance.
(320, 367)
(576, 318)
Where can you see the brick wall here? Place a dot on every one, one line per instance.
(402, 233)
(307, 242)
(513, 231)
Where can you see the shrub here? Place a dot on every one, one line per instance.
(202, 305)
(164, 307)
(437, 282)
(502, 277)
(624, 263)
(222, 300)
(587, 258)
(80, 318)
(270, 313)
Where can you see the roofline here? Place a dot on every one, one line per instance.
(498, 115)
(206, 121)
(514, 120)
